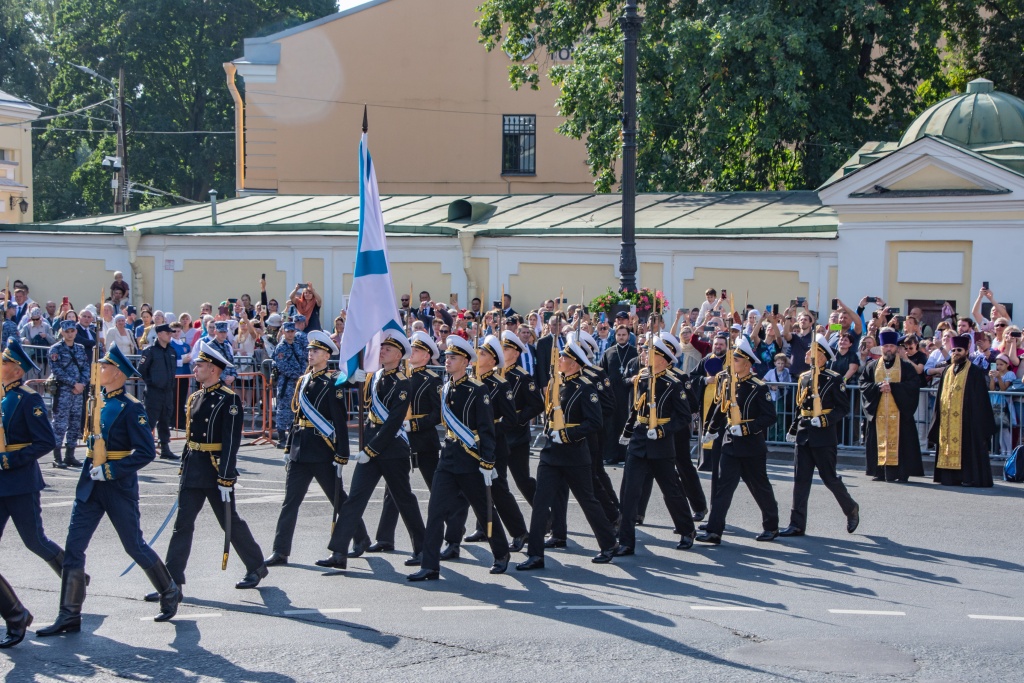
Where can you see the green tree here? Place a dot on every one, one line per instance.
(172, 52)
(734, 94)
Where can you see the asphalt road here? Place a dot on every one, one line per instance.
(930, 588)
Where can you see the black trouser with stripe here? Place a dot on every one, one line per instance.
(426, 461)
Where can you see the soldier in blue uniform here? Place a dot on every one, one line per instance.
(69, 364)
(319, 435)
(17, 618)
(468, 453)
(112, 489)
(290, 363)
(386, 455)
(214, 427)
(28, 438)
(744, 453)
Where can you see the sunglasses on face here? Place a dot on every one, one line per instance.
(1000, 325)
(444, 331)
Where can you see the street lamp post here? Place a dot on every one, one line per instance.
(630, 22)
(121, 172)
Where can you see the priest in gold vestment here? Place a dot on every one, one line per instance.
(889, 390)
(963, 425)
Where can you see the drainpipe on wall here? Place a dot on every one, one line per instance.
(131, 237)
(230, 69)
(466, 238)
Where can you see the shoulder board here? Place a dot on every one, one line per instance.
(431, 373)
(475, 382)
(28, 390)
(758, 381)
(585, 380)
(226, 390)
(499, 379)
(831, 372)
(401, 375)
(132, 398)
(806, 373)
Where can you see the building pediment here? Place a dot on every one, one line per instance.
(928, 171)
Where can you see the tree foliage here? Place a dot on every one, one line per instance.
(172, 52)
(749, 94)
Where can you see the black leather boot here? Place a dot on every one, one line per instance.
(57, 564)
(170, 594)
(72, 597)
(14, 613)
(58, 461)
(69, 456)
(281, 438)
(166, 453)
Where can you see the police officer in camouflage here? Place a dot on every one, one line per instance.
(69, 364)
(290, 363)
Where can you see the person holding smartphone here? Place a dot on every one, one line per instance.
(307, 302)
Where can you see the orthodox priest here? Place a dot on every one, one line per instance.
(889, 389)
(963, 425)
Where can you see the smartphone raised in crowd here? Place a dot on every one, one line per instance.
(984, 285)
(775, 309)
(835, 304)
(300, 286)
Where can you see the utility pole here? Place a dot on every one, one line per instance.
(121, 191)
(630, 22)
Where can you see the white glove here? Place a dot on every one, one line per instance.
(652, 434)
(708, 440)
(358, 377)
(556, 437)
(790, 438)
(96, 473)
(736, 430)
(407, 426)
(815, 421)
(285, 458)
(623, 441)
(362, 458)
(225, 493)
(489, 475)
(708, 380)
(339, 468)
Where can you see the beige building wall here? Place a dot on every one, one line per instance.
(313, 272)
(421, 276)
(197, 282)
(16, 163)
(956, 287)
(435, 97)
(760, 288)
(536, 282)
(51, 278)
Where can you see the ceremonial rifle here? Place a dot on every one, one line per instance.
(94, 410)
(652, 404)
(553, 407)
(816, 399)
(501, 324)
(3, 432)
(408, 361)
(735, 416)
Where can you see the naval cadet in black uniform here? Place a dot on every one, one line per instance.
(566, 458)
(318, 435)
(651, 446)
(814, 433)
(213, 422)
(529, 404)
(109, 485)
(422, 419)
(489, 365)
(386, 455)
(742, 428)
(28, 437)
(467, 461)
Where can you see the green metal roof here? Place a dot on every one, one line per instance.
(794, 215)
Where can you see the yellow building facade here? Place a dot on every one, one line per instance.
(16, 117)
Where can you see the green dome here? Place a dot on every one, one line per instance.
(980, 117)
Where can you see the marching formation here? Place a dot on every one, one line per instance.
(466, 431)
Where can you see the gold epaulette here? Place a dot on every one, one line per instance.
(475, 382)
(830, 371)
(431, 373)
(132, 399)
(500, 379)
(225, 389)
(585, 380)
(27, 390)
(757, 381)
(401, 375)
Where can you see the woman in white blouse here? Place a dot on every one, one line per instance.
(120, 336)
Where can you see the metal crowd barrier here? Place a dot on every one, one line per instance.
(1008, 407)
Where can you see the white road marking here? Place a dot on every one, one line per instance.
(179, 617)
(598, 607)
(869, 612)
(332, 610)
(725, 608)
(994, 617)
(462, 608)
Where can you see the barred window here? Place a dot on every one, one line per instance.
(519, 144)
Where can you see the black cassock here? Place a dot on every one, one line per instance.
(970, 442)
(905, 393)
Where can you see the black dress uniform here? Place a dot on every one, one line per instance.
(390, 459)
(29, 437)
(655, 458)
(425, 445)
(158, 367)
(529, 403)
(569, 462)
(743, 457)
(458, 471)
(816, 446)
(614, 363)
(310, 452)
(503, 408)
(214, 428)
(126, 432)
